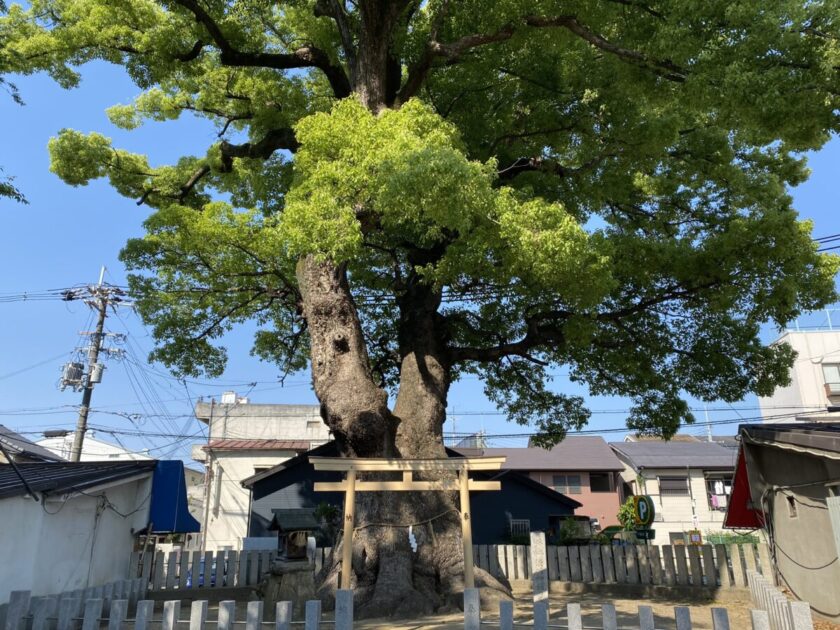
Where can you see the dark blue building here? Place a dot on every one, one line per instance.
(289, 485)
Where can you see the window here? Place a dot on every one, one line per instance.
(718, 490)
(566, 484)
(600, 482)
(831, 374)
(673, 486)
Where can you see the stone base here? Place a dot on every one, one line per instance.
(289, 581)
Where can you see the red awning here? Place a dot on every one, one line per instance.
(740, 513)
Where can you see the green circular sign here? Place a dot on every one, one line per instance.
(643, 510)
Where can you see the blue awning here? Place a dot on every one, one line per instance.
(168, 513)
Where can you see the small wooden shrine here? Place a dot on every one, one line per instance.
(293, 526)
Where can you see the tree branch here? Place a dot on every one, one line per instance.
(304, 57)
(273, 141)
(453, 50)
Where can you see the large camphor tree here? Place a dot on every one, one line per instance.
(403, 192)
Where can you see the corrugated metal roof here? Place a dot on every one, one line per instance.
(16, 443)
(59, 477)
(676, 454)
(228, 444)
(576, 452)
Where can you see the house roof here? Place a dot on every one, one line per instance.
(17, 444)
(817, 438)
(708, 455)
(576, 452)
(525, 480)
(292, 519)
(228, 444)
(60, 477)
(328, 449)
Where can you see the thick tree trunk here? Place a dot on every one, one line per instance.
(354, 408)
(389, 577)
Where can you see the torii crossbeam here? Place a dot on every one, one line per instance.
(408, 484)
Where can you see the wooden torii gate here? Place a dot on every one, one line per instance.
(408, 484)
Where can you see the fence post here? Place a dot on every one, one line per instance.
(93, 612)
(472, 609)
(230, 569)
(184, 570)
(254, 616)
(539, 567)
(17, 610)
(632, 565)
(344, 609)
(117, 614)
(682, 614)
(694, 564)
(171, 613)
(144, 614)
(157, 581)
(607, 562)
(646, 621)
(42, 610)
(644, 563)
(171, 570)
(312, 619)
(620, 567)
(573, 615)
(562, 563)
(720, 619)
(227, 614)
(766, 564)
(682, 567)
(709, 566)
(608, 617)
(198, 614)
(800, 613)
(505, 614)
(668, 561)
(760, 620)
(540, 612)
(737, 567)
(283, 616)
(597, 565)
(723, 567)
(68, 610)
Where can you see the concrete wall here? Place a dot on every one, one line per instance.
(601, 505)
(807, 389)
(265, 422)
(804, 543)
(677, 514)
(70, 543)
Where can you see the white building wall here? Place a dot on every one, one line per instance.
(677, 514)
(230, 503)
(806, 393)
(93, 450)
(71, 542)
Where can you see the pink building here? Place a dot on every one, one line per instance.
(583, 468)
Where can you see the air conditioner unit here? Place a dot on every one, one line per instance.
(832, 389)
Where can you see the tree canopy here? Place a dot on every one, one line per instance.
(602, 185)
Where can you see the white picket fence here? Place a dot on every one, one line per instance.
(781, 613)
(723, 566)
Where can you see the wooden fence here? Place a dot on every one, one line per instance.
(723, 566)
(192, 569)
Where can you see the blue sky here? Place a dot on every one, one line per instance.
(63, 237)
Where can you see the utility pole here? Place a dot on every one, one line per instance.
(93, 364)
(98, 297)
